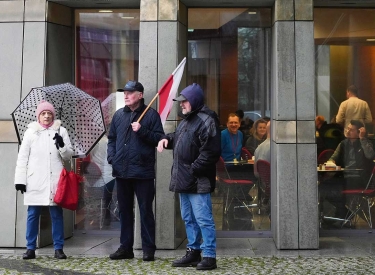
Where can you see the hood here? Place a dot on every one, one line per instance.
(194, 94)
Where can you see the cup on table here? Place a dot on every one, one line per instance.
(253, 158)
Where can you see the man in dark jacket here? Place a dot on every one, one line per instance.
(131, 151)
(196, 149)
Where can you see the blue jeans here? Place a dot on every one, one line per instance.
(32, 226)
(196, 211)
(144, 189)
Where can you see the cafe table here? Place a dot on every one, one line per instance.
(321, 174)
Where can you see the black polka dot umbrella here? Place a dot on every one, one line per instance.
(80, 114)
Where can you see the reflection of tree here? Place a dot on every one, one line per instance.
(249, 59)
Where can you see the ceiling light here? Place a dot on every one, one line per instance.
(190, 30)
(252, 12)
(127, 17)
(370, 39)
(105, 11)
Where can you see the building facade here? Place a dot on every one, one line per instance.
(277, 55)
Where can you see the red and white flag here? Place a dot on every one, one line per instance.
(169, 90)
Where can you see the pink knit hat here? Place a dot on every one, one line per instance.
(45, 106)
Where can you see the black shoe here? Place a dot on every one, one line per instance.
(192, 258)
(59, 254)
(29, 254)
(121, 253)
(148, 256)
(207, 264)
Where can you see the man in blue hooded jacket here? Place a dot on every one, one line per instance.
(196, 149)
(131, 151)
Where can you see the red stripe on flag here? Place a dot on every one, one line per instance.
(164, 93)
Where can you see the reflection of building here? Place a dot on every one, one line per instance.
(301, 58)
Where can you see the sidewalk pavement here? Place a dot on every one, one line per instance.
(88, 254)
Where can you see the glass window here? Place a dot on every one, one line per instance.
(229, 56)
(107, 50)
(345, 61)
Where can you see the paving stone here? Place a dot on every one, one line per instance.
(226, 265)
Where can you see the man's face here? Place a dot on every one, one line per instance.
(352, 132)
(185, 106)
(132, 98)
(233, 124)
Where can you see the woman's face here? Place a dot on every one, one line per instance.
(262, 129)
(45, 117)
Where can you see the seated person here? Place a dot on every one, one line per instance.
(355, 152)
(231, 144)
(263, 151)
(245, 126)
(328, 135)
(231, 139)
(258, 134)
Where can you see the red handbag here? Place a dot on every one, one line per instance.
(67, 190)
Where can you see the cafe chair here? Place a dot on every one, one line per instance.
(233, 192)
(264, 201)
(362, 200)
(245, 154)
(325, 155)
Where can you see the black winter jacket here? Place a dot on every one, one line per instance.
(132, 154)
(196, 149)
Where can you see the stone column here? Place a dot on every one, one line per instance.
(162, 46)
(294, 200)
(25, 34)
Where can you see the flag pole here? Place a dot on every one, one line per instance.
(148, 107)
(162, 87)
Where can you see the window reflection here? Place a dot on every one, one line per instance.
(345, 56)
(107, 50)
(229, 56)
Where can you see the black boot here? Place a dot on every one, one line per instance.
(59, 254)
(192, 258)
(29, 254)
(148, 256)
(121, 253)
(207, 264)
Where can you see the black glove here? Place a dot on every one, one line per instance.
(58, 141)
(21, 187)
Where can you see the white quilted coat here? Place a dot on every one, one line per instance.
(39, 162)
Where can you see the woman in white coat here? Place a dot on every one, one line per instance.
(39, 164)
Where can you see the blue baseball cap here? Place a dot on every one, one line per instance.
(132, 86)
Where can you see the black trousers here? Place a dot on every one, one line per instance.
(144, 189)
